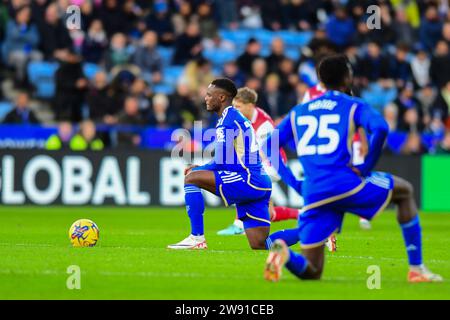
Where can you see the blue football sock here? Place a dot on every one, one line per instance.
(297, 263)
(195, 206)
(413, 240)
(290, 236)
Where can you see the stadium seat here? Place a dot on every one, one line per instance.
(293, 53)
(164, 89)
(90, 69)
(264, 36)
(172, 74)
(42, 76)
(219, 57)
(166, 55)
(294, 39)
(5, 107)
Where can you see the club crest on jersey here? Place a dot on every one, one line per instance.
(220, 135)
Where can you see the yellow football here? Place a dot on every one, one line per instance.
(83, 233)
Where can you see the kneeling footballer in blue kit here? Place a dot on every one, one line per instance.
(322, 130)
(235, 174)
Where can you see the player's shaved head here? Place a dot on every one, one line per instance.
(220, 94)
(226, 85)
(335, 72)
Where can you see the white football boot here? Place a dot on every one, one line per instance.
(364, 224)
(191, 242)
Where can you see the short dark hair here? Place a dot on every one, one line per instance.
(333, 70)
(227, 85)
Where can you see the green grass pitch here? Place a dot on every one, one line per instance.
(131, 262)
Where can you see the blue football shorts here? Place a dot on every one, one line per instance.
(250, 194)
(318, 222)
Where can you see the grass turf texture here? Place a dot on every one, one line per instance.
(130, 260)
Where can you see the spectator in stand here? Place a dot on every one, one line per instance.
(385, 34)
(147, 58)
(198, 75)
(181, 103)
(20, 44)
(21, 114)
(288, 77)
(413, 145)
(95, 42)
(340, 27)
(276, 55)
(160, 22)
(259, 69)
(99, 98)
(301, 15)
(271, 99)
(71, 85)
(218, 43)
(374, 65)
(410, 112)
(118, 57)
(441, 106)
(131, 120)
(161, 115)
(143, 93)
(444, 146)
(113, 18)
(272, 14)
(208, 26)
(426, 96)
(420, 68)
(55, 38)
(232, 72)
(400, 66)
(38, 8)
(446, 32)
(228, 13)
(182, 17)
(390, 114)
(430, 28)
(252, 52)
(188, 46)
(86, 138)
(440, 65)
(61, 139)
(402, 28)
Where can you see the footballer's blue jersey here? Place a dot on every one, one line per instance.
(323, 130)
(236, 148)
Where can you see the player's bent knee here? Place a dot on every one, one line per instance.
(191, 178)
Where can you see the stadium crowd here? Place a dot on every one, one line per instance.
(154, 59)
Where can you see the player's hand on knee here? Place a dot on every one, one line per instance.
(189, 168)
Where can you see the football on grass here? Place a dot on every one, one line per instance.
(83, 233)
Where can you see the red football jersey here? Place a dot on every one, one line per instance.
(263, 125)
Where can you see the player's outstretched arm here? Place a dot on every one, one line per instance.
(271, 147)
(377, 130)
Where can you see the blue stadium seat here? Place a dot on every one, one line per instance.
(42, 76)
(219, 57)
(292, 53)
(172, 74)
(295, 38)
(166, 55)
(264, 36)
(5, 107)
(164, 89)
(90, 69)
